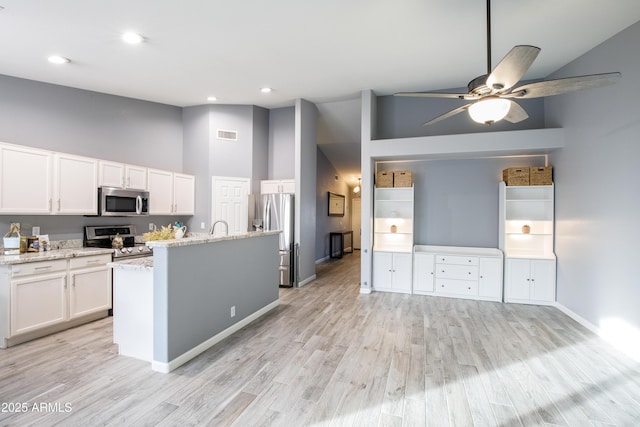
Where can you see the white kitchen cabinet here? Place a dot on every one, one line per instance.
(278, 186)
(458, 272)
(38, 296)
(423, 273)
(530, 281)
(75, 185)
(171, 193)
(121, 175)
(392, 272)
(25, 180)
(184, 191)
(90, 285)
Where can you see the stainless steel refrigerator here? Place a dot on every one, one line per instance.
(278, 214)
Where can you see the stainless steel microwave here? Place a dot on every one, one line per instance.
(118, 202)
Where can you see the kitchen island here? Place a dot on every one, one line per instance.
(193, 293)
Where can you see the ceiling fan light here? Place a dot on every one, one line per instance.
(489, 110)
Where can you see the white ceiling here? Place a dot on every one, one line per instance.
(325, 51)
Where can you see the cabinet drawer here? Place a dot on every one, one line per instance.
(457, 259)
(459, 272)
(40, 267)
(89, 261)
(459, 287)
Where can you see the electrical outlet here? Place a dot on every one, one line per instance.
(233, 311)
(35, 231)
(202, 225)
(151, 226)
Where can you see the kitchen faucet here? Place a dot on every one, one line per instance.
(213, 227)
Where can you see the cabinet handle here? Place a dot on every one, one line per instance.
(58, 205)
(482, 277)
(469, 288)
(442, 286)
(65, 282)
(43, 268)
(128, 181)
(94, 261)
(50, 204)
(73, 281)
(528, 280)
(431, 273)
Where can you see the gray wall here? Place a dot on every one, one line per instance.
(456, 201)
(196, 162)
(260, 161)
(325, 182)
(402, 117)
(305, 174)
(90, 124)
(282, 143)
(597, 192)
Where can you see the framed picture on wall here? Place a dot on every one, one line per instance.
(336, 204)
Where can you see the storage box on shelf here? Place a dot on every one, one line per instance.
(384, 179)
(402, 178)
(541, 175)
(526, 232)
(393, 239)
(516, 176)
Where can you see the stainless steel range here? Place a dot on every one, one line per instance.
(102, 236)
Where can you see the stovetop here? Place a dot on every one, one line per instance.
(132, 251)
(103, 236)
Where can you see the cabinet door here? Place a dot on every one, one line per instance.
(76, 184)
(543, 280)
(270, 187)
(423, 273)
(160, 192)
(402, 272)
(90, 291)
(490, 278)
(183, 194)
(288, 186)
(135, 177)
(518, 279)
(111, 174)
(25, 180)
(382, 270)
(38, 301)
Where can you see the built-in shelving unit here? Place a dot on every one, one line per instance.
(526, 233)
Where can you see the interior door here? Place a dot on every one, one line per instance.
(356, 206)
(231, 203)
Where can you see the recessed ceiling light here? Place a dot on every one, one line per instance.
(55, 59)
(132, 38)
(265, 89)
(212, 98)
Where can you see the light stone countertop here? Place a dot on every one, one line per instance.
(141, 264)
(202, 238)
(52, 255)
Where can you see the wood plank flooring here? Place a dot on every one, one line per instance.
(328, 356)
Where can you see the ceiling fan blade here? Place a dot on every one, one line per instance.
(512, 67)
(516, 113)
(448, 114)
(569, 84)
(437, 95)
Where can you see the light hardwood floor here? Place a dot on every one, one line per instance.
(330, 356)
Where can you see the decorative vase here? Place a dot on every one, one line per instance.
(394, 228)
(526, 229)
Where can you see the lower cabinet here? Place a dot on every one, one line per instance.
(392, 271)
(530, 281)
(458, 272)
(47, 296)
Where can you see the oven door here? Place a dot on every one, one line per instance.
(119, 202)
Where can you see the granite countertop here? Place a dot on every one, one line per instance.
(51, 255)
(141, 264)
(202, 238)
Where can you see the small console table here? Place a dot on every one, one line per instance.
(338, 236)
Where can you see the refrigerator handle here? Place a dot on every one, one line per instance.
(266, 215)
(296, 276)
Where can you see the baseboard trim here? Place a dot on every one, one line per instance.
(318, 261)
(584, 322)
(165, 368)
(307, 281)
(365, 291)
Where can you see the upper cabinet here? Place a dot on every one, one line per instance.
(171, 193)
(278, 186)
(25, 180)
(75, 185)
(121, 175)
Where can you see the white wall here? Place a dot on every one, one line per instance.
(597, 181)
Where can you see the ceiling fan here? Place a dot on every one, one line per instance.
(493, 94)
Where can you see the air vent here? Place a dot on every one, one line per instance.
(229, 135)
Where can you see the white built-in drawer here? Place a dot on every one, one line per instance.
(40, 267)
(89, 261)
(454, 271)
(459, 287)
(457, 259)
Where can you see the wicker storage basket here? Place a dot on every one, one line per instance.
(402, 178)
(541, 175)
(516, 176)
(384, 179)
